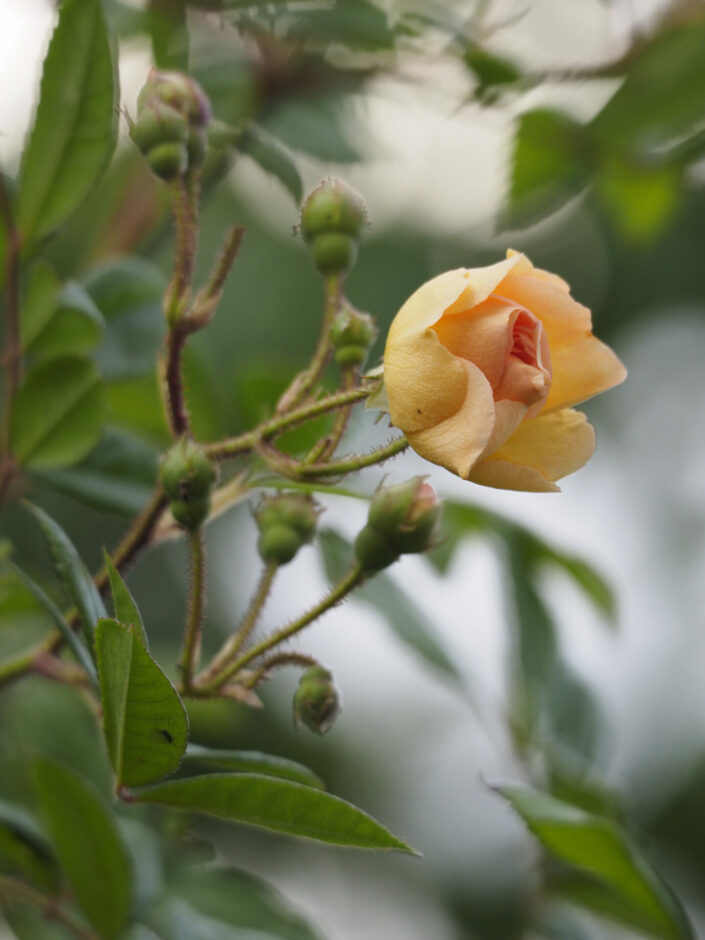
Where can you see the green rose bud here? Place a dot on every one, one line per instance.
(188, 478)
(316, 701)
(403, 519)
(332, 219)
(286, 523)
(352, 335)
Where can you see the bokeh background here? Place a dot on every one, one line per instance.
(572, 131)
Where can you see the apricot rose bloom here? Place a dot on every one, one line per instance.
(482, 367)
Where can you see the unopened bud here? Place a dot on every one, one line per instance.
(173, 113)
(332, 219)
(352, 335)
(316, 701)
(188, 477)
(286, 523)
(403, 519)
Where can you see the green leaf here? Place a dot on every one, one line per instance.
(124, 607)
(168, 30)
(548, 163)
(176, 919)
(254, 762)
(72, 641)
(58, 413)
(357, 24)
(241, 900)
(273, 157)
(88, 845)
(610, 875)
(71, 571)
(279, 805)
(75, 327)
(39, 303)
(587, 578)
(640, 199)
(75, 128)
(403, 616)
(321, 126)
(117, 476)
(128, 293)
(24, 849)
(144, 719)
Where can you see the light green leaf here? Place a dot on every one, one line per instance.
(611, 875)
(168, 29)
(176, 919)
(403, 616)
(58, 413)
(75, 128)
(323, 126)
(144, 719)
(88, 845)
(276, 804)
(72, 641)
(124, 607)
(71, 571)
(254, 762)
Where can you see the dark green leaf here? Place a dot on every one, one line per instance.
(403, 616)
(72, 641)
(24, 849)
(176, 919)
(29, 923)
(357, 24)
(39, 303)
(144, 719)
(589, 580)
(75, 128)
(269, 154)
(489, 69)
(549, 163)
(254, 762)
(612, 874)
(117, 476)
(321, 126)
(276, 804)
(89, 847)
(241, 900)
(169, 33)
(124, 607)
(128, 293)
(72, 573)
(58, 413)
(75, 327)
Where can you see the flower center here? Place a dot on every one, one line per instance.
(527, 372)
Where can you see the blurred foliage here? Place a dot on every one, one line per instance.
(614, 202)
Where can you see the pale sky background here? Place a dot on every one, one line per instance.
(626, 509)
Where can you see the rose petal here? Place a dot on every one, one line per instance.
(425, 382)
(458, 442)
(482, 335)
(564, 319)
(508, 417)
(581, 370)
(554, 445)
(524, 266)
(503, 475)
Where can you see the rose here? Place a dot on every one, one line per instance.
(482, 367)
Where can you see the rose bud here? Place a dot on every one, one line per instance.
(482, 367)
(403, 519)
(286, 523)
(316, 700)
(352, 336)
(187, 477)
(332, 219)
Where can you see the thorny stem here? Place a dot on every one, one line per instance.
(296, 470)
(249, 621)
(14, 888)
(350, 581)
(305, 380)
(12, 355)
(276, 661)
(234, 446)
(197, 604)
(174, 397)
(219, 274)
(350, 376)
